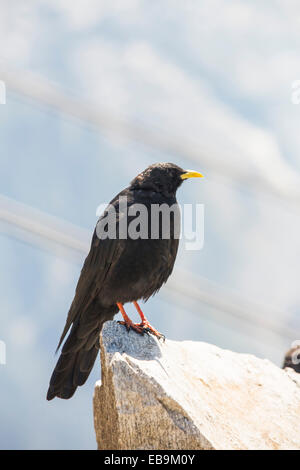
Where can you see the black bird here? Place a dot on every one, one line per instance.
(292, 359)
(118, 270)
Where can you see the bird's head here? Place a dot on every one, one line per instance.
(164, 178)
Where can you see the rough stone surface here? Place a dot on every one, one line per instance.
(191, 395)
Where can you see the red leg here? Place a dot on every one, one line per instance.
(127, 322)
(139, 310)
(145, 324)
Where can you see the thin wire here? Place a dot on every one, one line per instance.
(48, 94)
(51, 233)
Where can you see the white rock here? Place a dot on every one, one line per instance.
(191, 395)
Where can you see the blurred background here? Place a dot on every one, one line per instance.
(95, 92)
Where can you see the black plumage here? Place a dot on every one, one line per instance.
(292, 359)
(117, 271)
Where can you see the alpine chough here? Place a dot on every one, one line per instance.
(117, 270)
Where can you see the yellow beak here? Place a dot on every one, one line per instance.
(191, 174)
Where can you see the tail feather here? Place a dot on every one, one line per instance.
(78, 354)
(86, 362)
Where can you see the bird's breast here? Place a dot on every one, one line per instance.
(144, 266)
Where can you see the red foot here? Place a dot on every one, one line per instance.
(141, 328)
(136, 327)
(146, 325)
(150, 329)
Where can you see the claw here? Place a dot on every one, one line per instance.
(150, 330)
(133, 326)
(141, 328)
(146, 325)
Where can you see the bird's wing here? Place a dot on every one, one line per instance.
(104, 253)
